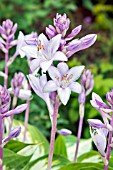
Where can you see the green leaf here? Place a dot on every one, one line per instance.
(40, 145)
(41, 163)
(71, 144)
(84, 166)
(14, 161)
(60, 147)
(92, 156)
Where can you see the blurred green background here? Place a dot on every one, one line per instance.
(95, 17)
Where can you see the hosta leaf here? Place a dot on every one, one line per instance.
(84, 166)
(41, 163)
(14, 161)
(92, 156)
(60, 146)
(71, 144)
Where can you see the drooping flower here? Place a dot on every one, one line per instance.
(44, 52)
(5, 104)
(63, 81)
(64, 132)
(19, 87)
(98, 133)
(37, 85)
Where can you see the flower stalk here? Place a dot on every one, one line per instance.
(53, 133)
(81, 111)
(1, 148)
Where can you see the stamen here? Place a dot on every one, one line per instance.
(57, 77)
(40, 46)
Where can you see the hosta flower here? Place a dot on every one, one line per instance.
(98, 133)
(98, 104)
(13, 134)
(44, 52)
(37, 85)
(5, 103)
(109, 97)
(63, 81)
(19, 87)
(64, 132)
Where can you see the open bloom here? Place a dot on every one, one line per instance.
(98, 133)
(44, 52)
(63, 81)
(19, 87)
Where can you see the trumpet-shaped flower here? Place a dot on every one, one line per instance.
(63, 81)
(44, 52)
(98, 133)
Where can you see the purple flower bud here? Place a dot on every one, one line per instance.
(74, 32)
(61, 22)
(96, 123)
(13, 134)
(4, 100)
(64, 132)
(16, 82)
(82, 97)
(50, 32)
(87, 81)
(109, 97)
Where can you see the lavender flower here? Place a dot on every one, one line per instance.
(13, 134)
(61, 25)
(19, 87)
(98, 133)
(7, 31)
(5, 103)
(44, 52)
(64, 132)
(63, 81)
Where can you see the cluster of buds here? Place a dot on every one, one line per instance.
(87, 83)
(61, 25)
(19, 87)
(7, 31)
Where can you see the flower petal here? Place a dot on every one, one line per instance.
(30, 51)
(64, 94)
(25, 94)
(60, 56)
(99, 139)
(55, 43)
(96, 123)
(75, 87)
(45, 65)
(34, 64)
(50, 86)
(54, 73)
(43, 39)
(96, 97)
(75, 72)
(63, 68)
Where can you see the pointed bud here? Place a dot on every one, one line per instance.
(64, 132)
(109, 97)
(74, 32)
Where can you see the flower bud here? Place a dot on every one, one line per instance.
(109, 97)
(64, 132)
(87, 81)
(62, 24)
(4, 100)
(16, 82)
